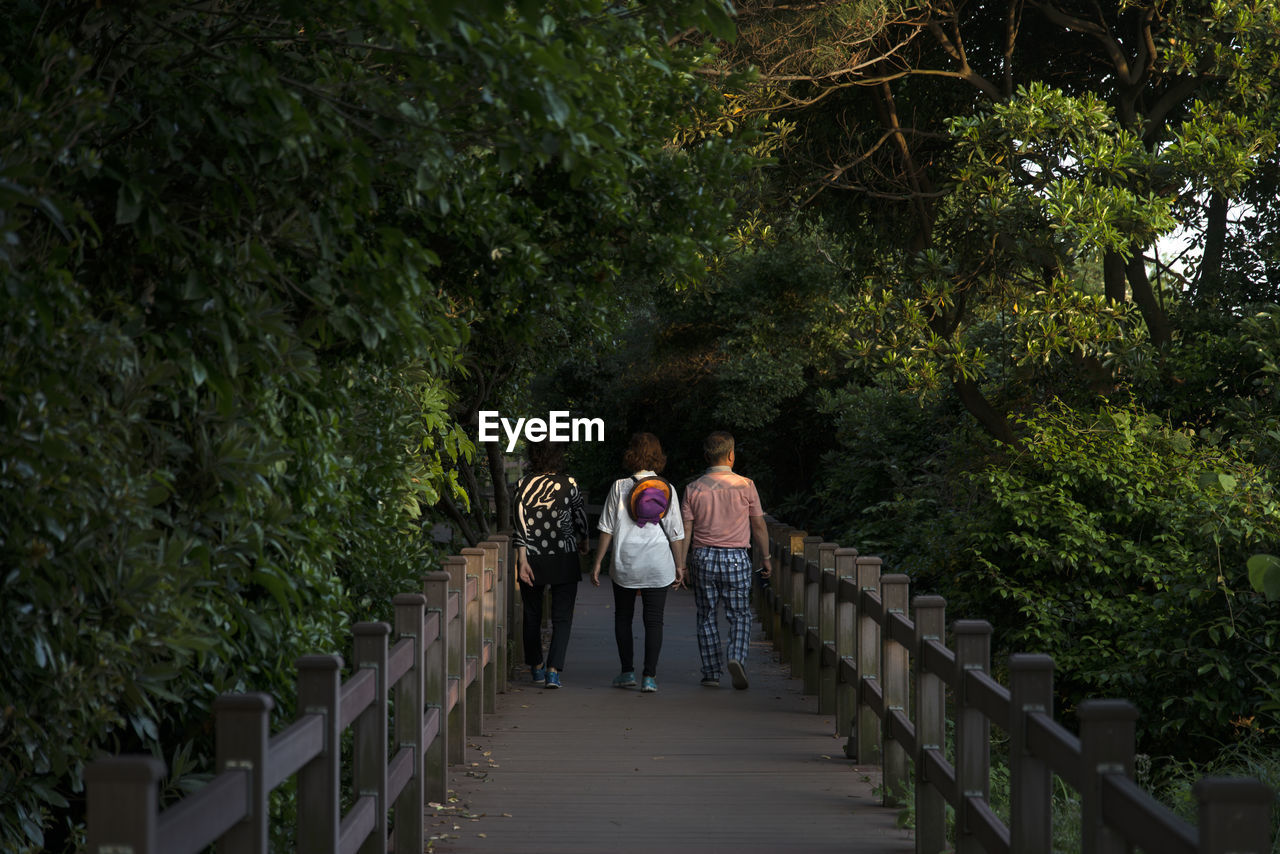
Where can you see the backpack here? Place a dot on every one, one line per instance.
(649, 499)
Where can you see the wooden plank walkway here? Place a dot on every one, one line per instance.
(591, 768)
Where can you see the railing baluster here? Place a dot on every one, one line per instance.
(488, 609)
(242, 730)
(1235, 816)
(456, 646)
(123, 804)
(474, 687)
(410, 835)
(865, 738)
(1030, 780)
(502, 591)
(846, 625)
(319, 793)
(896, 668)
(370, 732)
(931, 727)
(973, 731)
(810, 585)
(826, 628)
(1107, 731)
(436, 691)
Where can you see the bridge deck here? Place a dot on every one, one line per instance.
(590, 768)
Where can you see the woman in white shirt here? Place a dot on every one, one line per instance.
(645, 557)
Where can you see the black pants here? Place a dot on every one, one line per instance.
(624, 610)
(563, 597)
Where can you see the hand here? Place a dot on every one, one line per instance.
(584, 547)
(680, 577)
(595, 575)
(526, 573)
(767, 571)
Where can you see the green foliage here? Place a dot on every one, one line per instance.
(1119, 545)
(245, 251)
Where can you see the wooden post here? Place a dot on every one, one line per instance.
(931, 725)
(369, 747)
(474, 607)
(123, 803)
(503, 590)
(973, 730)
(457, 653)
(410, 831)
(1030, 778)
(489, 636)
(1235, 815)
(846, 629)
(242, 731)
(795, 596)
(812, 599)
(826, 627)
(896, 682)
(786, 607)
(865, 739)
(1107, 729)
(777, 534)
(319, 792)
(435, 671)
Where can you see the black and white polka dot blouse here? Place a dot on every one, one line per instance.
(550, 515)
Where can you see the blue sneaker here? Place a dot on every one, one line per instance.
(553, 679)
(625, 679)
(648, 685)
(539, 674)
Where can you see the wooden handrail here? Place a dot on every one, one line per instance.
(436, 675)
(858, 653)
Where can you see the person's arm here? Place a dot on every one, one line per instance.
(523, 570)
(760, 533)
(605, 539)
(579, 509)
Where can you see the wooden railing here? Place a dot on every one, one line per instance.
(436, 680)
(845, 629)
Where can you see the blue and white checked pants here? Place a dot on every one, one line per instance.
(722, 575)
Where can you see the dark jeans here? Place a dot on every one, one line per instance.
(624, 611)
(563, 597)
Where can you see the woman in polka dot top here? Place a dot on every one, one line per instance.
(550, 533)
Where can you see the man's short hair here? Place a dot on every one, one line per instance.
(717, 446)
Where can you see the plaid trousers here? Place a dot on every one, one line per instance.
(722, 575)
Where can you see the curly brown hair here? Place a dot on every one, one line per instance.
(546, 457)
(644, 454)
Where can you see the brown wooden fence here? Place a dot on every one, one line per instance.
(435, 674)
(845, 629)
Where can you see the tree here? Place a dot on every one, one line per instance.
(245, 249)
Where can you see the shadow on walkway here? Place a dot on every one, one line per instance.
(591, 768)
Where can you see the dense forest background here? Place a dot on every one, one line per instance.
(988, 289)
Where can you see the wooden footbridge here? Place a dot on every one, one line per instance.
(454, 750)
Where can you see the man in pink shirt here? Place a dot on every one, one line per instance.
(722, 514)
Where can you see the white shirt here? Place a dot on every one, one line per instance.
(641, 556)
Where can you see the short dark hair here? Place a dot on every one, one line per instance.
(546, 457)
(717, 446)
(644, 454)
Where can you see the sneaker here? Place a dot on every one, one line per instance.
(625, 679)
(739, 674)
(539, 674)
(553, 679)
(648, 685)
(710, 682)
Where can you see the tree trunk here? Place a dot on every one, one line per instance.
(1113, 276)
(1145, 297)
(498, 474)
(991, 419)
(1215, 242)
